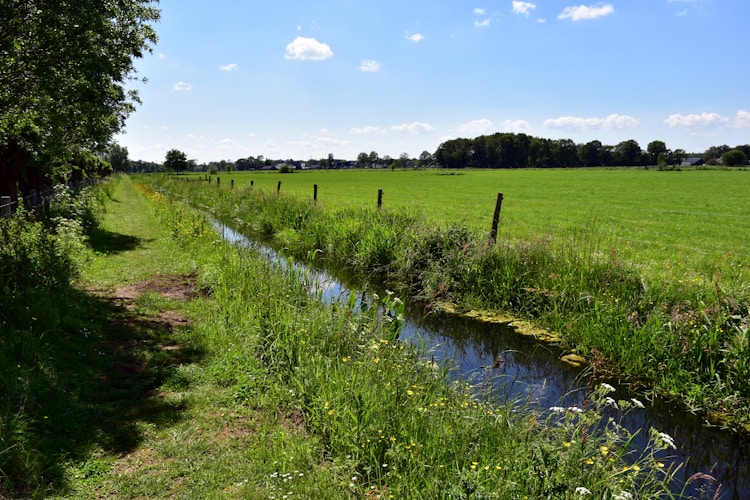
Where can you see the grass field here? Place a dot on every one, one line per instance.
(680, 222)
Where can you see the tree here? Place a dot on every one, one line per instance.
(175, 161)
(715, 152)
(657, 150)
(374, 158)
(425, 159)
(117, 156)
(65, 73)
(733, 158)
(363, 160)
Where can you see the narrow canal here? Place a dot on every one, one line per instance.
(524, 370)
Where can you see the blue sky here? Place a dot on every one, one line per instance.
(291, 79)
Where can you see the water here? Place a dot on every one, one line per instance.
(521, 368)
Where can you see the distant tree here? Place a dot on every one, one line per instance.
(715, 152)
(629, 154)
(733, 158)
(374, 158)
(425, 159)
(363, 160)
(175, 161)
(117, 156)
(656, 150)
(591, 154)
(330, 162)
(403, 160)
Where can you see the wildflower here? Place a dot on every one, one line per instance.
(376, 360)
(582, 491)
(667, 440)
(575, 409)
(568, 443)
(410, 392)
(623, 495)
(345, 359)
(604, 450)
(607, 387)
(557, 409)
(637, 403)
(610, 402)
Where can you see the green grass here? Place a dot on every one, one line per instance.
(673, 222)
(679, 329)
(265, 392)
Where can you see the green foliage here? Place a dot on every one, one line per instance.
(733, 158)
(175, 161)
(64, 68)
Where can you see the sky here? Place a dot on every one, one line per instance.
(293, 79)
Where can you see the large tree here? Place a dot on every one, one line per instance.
(64, 71)
(176, 161)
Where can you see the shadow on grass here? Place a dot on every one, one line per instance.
(109, 242)
(88, 379)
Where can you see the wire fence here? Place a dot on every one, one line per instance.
(36, 200)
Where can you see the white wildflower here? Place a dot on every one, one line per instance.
(582, 491)
(623, 495)
(610, 402)
(637, 403)
(575, 409)
(608, 387)
(557, 409)
(667, 440)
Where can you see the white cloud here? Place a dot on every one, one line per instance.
(483, 23)
(585, 12)
(369, 66)
(743, 119)
(476, 127)
(523, 7)
(308, 49)
(414, 128)
(416, 37)
(696, 120)
(366, 131)
(516, 125)
(541, 20)
(479, 12)
(228, 67)
(182, 87)
(612, 122)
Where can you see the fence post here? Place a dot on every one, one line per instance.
(315, 193)
(252, 183)
(278, 188)
(218, 182)
(380, 198)
(5, 206)
(496, 218)
(232, 183)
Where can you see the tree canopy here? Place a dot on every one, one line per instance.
(65, 68)
(175, 161)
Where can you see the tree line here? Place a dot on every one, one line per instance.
(511, 150)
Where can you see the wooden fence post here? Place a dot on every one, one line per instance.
(380, 198)
(218, 182)
(252, 183)
(496, 218)
(232, 183)
(5, 206)
(315, 193)
(278, 188)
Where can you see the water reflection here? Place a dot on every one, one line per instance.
(518, 368)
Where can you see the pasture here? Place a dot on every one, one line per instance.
(680, 223)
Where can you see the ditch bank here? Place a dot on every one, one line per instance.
(521, 368)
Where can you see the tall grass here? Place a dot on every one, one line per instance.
(684, 339)
(384, 422)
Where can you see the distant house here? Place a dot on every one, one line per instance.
(692, 162)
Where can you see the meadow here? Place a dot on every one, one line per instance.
(616, 262)
(674, 222)
(243, 385)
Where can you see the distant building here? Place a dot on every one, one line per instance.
(692, 162)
